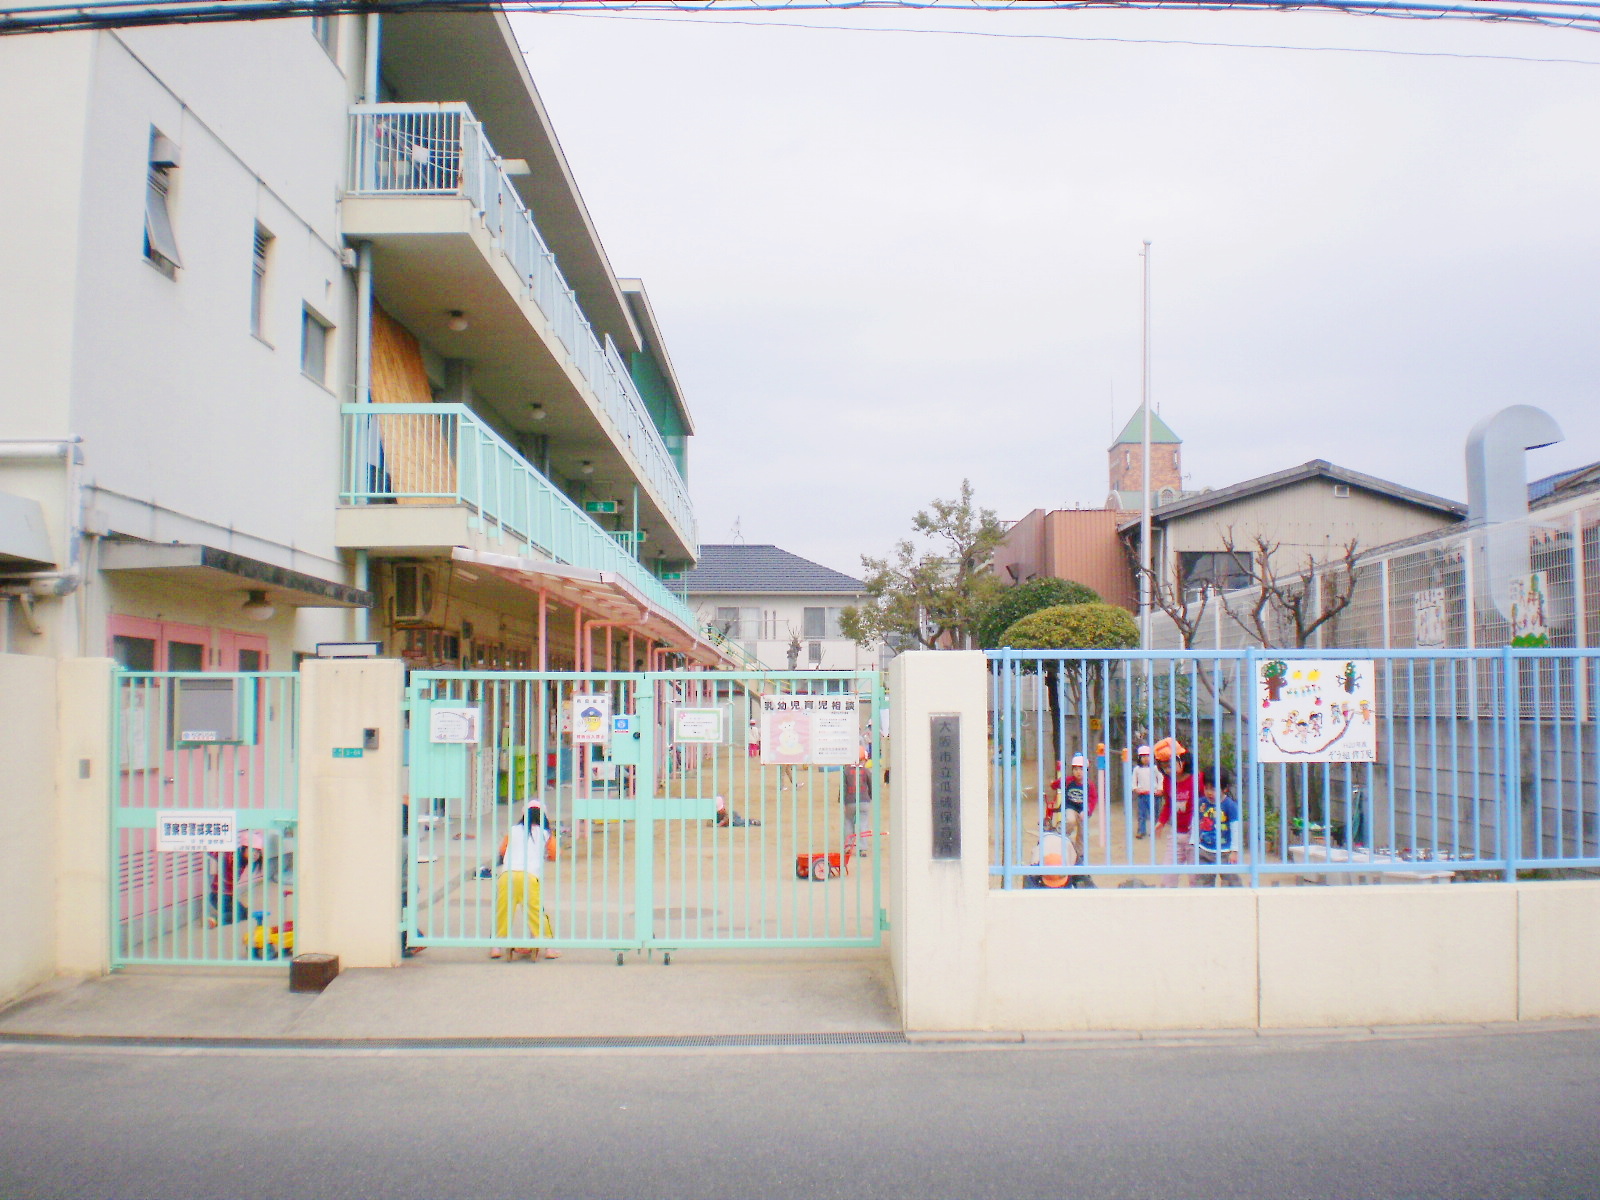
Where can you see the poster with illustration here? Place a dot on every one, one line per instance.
(822, 730)
(1529, 600)
(1316, 710)
(1428, 607)
(591, 720)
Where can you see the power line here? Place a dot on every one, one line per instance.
(111, 14)
(667, 19)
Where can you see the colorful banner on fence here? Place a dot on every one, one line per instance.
(823, 730)
(1316, 710)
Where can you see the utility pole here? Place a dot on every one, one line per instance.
(1146, 594)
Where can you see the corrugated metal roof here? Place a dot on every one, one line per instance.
(739, 568)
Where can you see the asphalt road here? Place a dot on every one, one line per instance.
(1461, 1115)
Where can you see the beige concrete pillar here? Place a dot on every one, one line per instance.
(28, 715)
(348, 869)
(84, 786)
(936, 908)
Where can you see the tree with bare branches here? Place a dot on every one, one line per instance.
(1289, 602)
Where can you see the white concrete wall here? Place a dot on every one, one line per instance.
(27, 848)
(348, 867)
(968, 956)
(783, 616)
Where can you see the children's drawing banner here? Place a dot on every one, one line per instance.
(795, 730)
(1316, 710)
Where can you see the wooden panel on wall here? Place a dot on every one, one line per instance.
(417, 447)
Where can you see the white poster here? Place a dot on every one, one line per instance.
(1428, 609)
(823, 730)
(1317, 710)
(697, 725)
(186, 830)
(1529, 594)
(453, 726)
(591, 720)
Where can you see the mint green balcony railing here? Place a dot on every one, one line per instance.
(441, 150)
(444, 454)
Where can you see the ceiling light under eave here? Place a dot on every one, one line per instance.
(458, 321)
(588, 467)
(537, 412)
(257, 607)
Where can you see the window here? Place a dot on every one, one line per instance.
(160, 245)
(326, 31)
(814, 654)
(258, 283)
(822, 623)
(314, 333)
(1215, 569)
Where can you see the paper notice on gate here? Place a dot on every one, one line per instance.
(591, 720)
(803, 729)
(206, 830)
(453, 726)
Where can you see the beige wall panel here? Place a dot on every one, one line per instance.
(349, 833)
(1559, 959)
(1112, 959)
(1387, 955)
(27, 815)
(83, 827)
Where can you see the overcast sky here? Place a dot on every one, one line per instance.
(888, 261)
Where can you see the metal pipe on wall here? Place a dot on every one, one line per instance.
(369, 77)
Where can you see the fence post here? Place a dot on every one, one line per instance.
(937, 907)
(348, 868)
(1258, 802)
(1511, 765)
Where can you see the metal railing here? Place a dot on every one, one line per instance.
(214, 750)
(1487, 764)
(444, 454)
(441, 150)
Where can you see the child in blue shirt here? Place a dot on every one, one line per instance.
(1216, 831)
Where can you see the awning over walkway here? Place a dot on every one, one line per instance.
(605, 594)
(213, 570)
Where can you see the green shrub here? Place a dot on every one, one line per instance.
(1015, 603)
(1074, 627)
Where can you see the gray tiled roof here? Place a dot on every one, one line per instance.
(763, 569)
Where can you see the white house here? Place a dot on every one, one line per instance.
(783, 610)
(310, 337)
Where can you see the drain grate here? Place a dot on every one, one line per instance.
(620, 1042)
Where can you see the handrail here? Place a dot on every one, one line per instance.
(444, 453)
(440, 150)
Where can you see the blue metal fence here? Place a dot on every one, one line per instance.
(1487, 764)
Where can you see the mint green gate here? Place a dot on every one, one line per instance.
(672, 831)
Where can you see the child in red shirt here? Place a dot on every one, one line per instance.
(1182, 788)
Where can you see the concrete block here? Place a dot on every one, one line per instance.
(1113, 959)
(1558, 926)
(1388, 955)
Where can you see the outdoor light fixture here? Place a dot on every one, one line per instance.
(257, 607)
(588, 467)
(458, 320)
(537, 412)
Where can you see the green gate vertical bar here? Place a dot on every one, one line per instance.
(644, 800)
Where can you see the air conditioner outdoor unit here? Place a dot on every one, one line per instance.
(414, 593)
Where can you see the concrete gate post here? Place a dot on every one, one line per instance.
(936, 907)
(348, 868)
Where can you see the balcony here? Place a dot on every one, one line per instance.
(421, 476)
(423, 182)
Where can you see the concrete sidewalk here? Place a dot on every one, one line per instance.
(460, 994)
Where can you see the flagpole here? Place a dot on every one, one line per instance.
(1146, 588)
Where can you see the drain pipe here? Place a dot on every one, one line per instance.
(363, 569)
(369, 86)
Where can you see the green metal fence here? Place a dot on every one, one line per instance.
(674, 829)
(204, 805)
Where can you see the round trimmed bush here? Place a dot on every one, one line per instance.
(1074, 627)
(1015, 603)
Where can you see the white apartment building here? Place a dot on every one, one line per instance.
(779, 608)
(310, 338)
